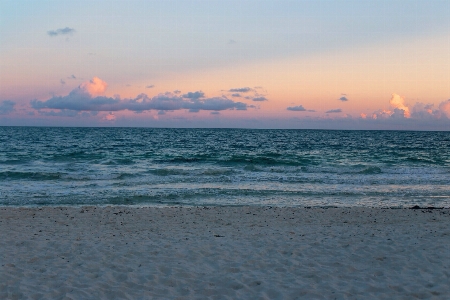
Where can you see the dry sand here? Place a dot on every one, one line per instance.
(224, 253)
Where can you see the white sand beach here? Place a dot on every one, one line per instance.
(224, 253)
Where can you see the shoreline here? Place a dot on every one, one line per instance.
(224, 252)
(138, 206)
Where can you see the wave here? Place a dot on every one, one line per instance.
(267, 160)
(370, 170)
(14, 161)
(422, 160)
(190, 172)
(118, 162)
(168, 172)
(13, 175)
(75, 155)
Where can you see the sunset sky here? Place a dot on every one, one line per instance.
(251, 64)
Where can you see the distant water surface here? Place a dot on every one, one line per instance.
(143, 166)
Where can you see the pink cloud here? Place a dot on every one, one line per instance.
(94, 87)
(399, 109)
(398, 102)
(382, 114)
(109, 117)
(444, 107)
(419, 111)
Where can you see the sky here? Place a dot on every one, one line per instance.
(333, 64)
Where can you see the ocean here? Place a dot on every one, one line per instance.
(42, 166)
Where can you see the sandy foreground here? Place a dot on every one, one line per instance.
(224, 253)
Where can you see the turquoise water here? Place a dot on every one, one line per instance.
(143, 166)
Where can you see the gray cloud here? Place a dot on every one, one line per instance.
(236, 95)
(296, 108)
(194, 95)
(7, 106)
(424, 111)
(176, 91)
(332, 111)
(343, 98)
(62, 81)
(86, 114)
(381, 114)
(61, 31)
(230, 42)
(241, 90)
(61, 113)
(261, 98)
(76, 100)
(150, 86)
(80, 100)
(398, 114)
(216, 103)
(299, 108)
(215, 113)
(72, 77)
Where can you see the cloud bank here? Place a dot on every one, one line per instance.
(6, 107)
(89, 97)
(399, 110)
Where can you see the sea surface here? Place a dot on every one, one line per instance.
(147, 167)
